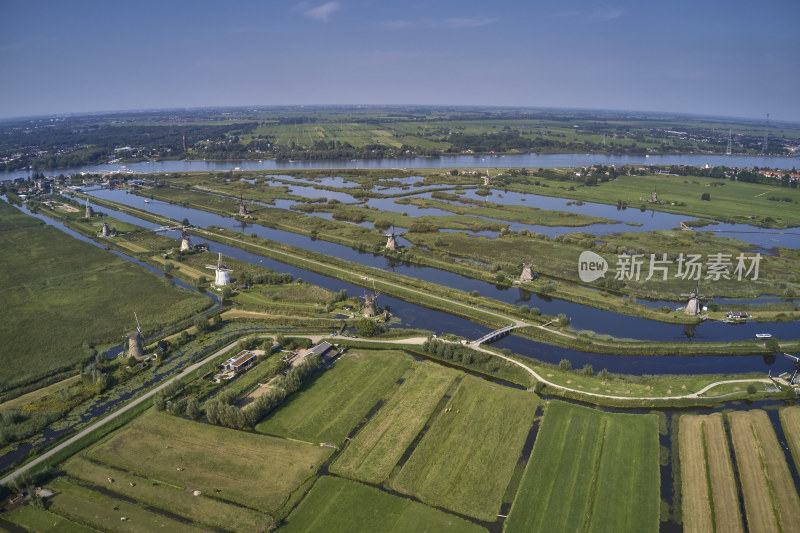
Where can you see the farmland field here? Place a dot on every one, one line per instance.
(257, 471)
(42, 521)
(202, 509)
(332, 403)
(770, 498)
(336, 504)
(44, 297)
(709, 496)
(790, 420)
(372, 454)
(104, 513)
(578, 479)
(466, 459)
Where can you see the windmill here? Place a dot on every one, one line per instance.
(135, 340)
(105, 231)
(795, 370)
(527, 273)
(654, 196)
(391, 242)
(693, 306)
(89, 210)
(223, 275)
(242, 207)
(186, 243)
(371, 302)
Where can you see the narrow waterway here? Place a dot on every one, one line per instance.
(582, 317)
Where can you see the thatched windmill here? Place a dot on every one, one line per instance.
(391, 242)
(89, 210)
(105, 231)
(242, 207)
(527, 273)
(223, 275)
(694, 305)
(135, 340)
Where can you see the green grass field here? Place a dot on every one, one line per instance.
(590, 471)
(43, 521)
(54, 285)
(104, 513)
(331, 404)
(771, 501)
(790, 420)
(338, 505)
(201, 509)
(253, 470)
(466, 459)
(372, 454)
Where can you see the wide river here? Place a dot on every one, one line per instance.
(457, 161)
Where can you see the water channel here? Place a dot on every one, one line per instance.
(456, 161)
(582, 317)
(414, 316)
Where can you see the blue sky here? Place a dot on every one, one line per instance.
(729, 58)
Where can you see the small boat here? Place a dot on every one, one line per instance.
(763, 335)
(146, 201)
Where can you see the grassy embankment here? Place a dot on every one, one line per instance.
(338, 505)
(54, 284)
(577, 479)
(468, 455)
(771, 501)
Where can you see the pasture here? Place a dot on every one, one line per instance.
(253, 470)
(42, 521)
(373, 453)
(338, 505)
(770, 497)
(202, 509)
(710, 500)
(54, 285)
(466, 459)
(105, 513)
(330, 404)
(790, 420)
(579, 478)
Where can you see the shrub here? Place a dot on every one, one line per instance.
(564, 365)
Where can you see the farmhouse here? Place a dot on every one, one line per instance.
(239, 362)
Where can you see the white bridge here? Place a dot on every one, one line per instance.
(494, 335)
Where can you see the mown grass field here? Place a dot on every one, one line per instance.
(42, 521)
(54, 285)
(338, 505)
(790, 420)
(202, 509)
(709, 498)
(373, 453)
(330, 405)
(466, 459)
(590, 471)
(257, 471)
(770, 498)
(104, 513)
